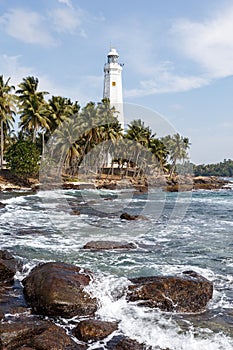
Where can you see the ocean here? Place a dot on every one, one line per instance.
(184, 231)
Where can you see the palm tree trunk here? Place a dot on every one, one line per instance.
(42, 144)
(2, 144)
(34, 136)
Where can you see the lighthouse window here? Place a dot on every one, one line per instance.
(113, 83)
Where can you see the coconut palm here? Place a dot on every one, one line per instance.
(60, 109)
(32, 107)
(177, 147)
(138, 132)
(7, 110)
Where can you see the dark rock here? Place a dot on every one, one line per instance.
(19, 332)
(75, 212)
(126, 216)
(25, 333)
(12, 299)
(94, 330)
(208, 183)
(124, 343)
(188, 293)
(108, 245)
(8, 266)
(107, 186)
(2, 205)
(28, 231)
(53, 338)
(71, 186)
(57, 289)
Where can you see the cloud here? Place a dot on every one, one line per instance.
(66, 2)
(87, 86)
(67, 20)
(10, 67)
(153, 72)
(208, 43)
(27, 26)
(165, 82)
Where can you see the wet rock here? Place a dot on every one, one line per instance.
(94, 330)
(29, 231)
(19, 331)
(2, 205)
(8, 266)
(75, 212)
(126, 216)
(12, 299)
(108, 245)
(57, 289)
(107, 186)
(54, 338)
(125, 343)
(187, 293)
(26, 333)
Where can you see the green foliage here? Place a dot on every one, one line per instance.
(72, 132)
(224, 169)
(23, 158)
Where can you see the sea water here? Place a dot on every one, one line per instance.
(183, 231)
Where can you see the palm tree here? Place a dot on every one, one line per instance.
(7, 110)
(32, 107)
(60, 109)
(177, 147)
(138, 132)
(158, 149)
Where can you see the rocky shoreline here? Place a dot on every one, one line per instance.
(176, 183)
(29, 308)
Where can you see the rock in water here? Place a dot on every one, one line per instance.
(187, 293)
(126, 216)
(8, 266)
(31, 333)
(108, 245)
(125, 343)
(94, 330)
(2, 205)
(57, 289)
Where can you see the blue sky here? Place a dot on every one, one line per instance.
(177, 55)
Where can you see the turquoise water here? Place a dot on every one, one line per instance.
(183, 231)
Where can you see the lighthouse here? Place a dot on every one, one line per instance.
(113, 84)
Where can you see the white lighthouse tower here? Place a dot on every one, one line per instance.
(113, 84)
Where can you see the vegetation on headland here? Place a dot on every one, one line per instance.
(78, 131)
(224, 169)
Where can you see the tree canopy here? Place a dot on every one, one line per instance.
(73, 132)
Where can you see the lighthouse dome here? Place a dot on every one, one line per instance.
(113, 52)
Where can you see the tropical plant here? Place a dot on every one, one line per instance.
(177, 147)
(7, 110)
(23, 158)
(32, 107)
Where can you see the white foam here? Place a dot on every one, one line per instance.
(148, 326)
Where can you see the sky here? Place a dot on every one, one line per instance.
(177, 55)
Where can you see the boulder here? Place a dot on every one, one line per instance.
(93, 330)
(187, 293)
(75, 212)
(55, 338)
(108, 245)
(126, 216)
(8, 266)
(26, 333)
(57, 289)
(2, 205)
(125, 343)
